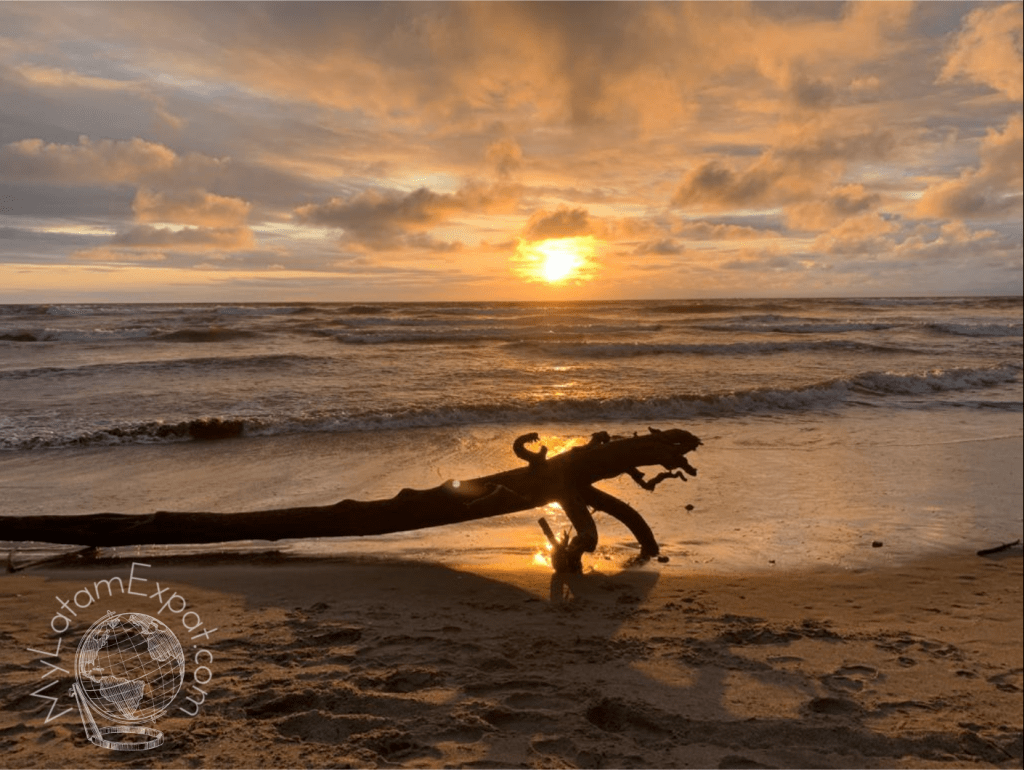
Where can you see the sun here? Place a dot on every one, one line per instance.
(556, 260)
(561, 258)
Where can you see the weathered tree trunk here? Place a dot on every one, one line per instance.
(566, 479)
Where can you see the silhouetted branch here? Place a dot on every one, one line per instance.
(566, 479)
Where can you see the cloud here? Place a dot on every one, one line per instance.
(56, 77)
(992, 189)
(945, 244)
(812, 93)
(104, 254)
(840, 202)
(425, 242)
(54, 201)
(958, 232)
(506, 156)
(563, 223)
(813, 148)
(379, 218)
(185, 239)
(715, 185)
(97, 162)
(137, 241)
(664, 247)
(577, 222)
(988, 50)
(793, 170)
(855, 235)
(708, 231)
(375, 214)
(190, 207)
(87, 162)
(785, 126)
(581, 64)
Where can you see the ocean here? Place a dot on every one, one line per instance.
(829, 425)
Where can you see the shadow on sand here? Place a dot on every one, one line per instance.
(396, 663)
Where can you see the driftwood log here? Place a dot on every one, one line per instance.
(566, 479)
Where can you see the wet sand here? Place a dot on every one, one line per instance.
(348, 662)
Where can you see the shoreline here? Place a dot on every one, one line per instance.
(762, 498)
(388, 663)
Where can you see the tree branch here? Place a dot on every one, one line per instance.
(566, 479)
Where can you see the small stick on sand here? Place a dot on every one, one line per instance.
(998, 548)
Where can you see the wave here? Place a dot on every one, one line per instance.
(1003, 301)
(263, 310)
(935, 381)
(18, 337)
(75, 335)
(789, 326)
(783, 325)
(483, 333)
(867, 388)
(706, 308)
(187, 365)
(154, 432)
(635, 349)
(357, 329)
(209, 334)
(977, 329)
(365, 310)
(458, 336)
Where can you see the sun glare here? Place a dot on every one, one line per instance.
(560, 259)
(556, 260)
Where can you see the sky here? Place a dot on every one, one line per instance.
(508, 151)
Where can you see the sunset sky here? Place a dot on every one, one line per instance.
(474, 151)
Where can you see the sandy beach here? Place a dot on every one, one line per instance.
(363, 663)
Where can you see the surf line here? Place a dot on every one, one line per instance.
(174, 604)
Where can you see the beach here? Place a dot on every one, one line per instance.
(383, 663)
(511, 385)
(822, 603)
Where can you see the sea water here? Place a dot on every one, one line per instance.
(829, 425)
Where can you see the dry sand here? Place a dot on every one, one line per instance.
(400, 664)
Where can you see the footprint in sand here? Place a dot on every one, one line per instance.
(1009, 682)
(850, 678)
(833, 706)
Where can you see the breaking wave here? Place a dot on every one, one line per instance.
(868, 388)
(634, 349)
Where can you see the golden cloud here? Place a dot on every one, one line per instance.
(794, 170)
(191, 207)
(992, 189)
(838, 204)
(55, 77)
(104, 254)
(470, 63)
(988, 50)
(105, 161)
(135, 243)
(88, 162)
(707, 231)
